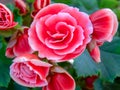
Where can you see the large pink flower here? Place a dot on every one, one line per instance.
(29, 71)
(60, 32)
(18, 44)
(6, 18)
(59, 80)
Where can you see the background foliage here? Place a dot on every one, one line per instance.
(108, 71)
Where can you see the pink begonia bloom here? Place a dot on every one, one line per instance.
(38, 5)
(105, 26)
(6, 18)
(21, 5)
(27, 70)
(60, 80)
(18, 44)
(60, 32)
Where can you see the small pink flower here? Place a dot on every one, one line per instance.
(6, 18)
(18, 44)
(38, 5)
(60, 32)
(105, 25)
(21, 5)
(29, 71)
(60, 80)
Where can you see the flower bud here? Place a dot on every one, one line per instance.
(59, 80)
(6, 18)
(18, 44)
(38, 5)
(21, 5)
(94, 51)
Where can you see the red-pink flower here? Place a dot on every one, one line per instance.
(29, 71)
(105, 25)
(38, 5)
(60, 80)
(21, 5)
(60, 32)
(6, 18)
(18, 44)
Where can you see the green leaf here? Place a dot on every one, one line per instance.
(63, 1)
(26, 20)
(111, 86)
(4, 66)
(108, 69)
(101, 85)
(30, 1)
(112, 47)
(2, 88)
(86, 5)
(117, 12)
(110, 60)
(78, 88)
(109, 66)
(108, 4)
(8, 32)
(17, 17)
(19, 87)
(89, 5)
(37, 89)
(11, 7)
(98, 85)
(85, 66)
(118, 31)
(14, 86)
